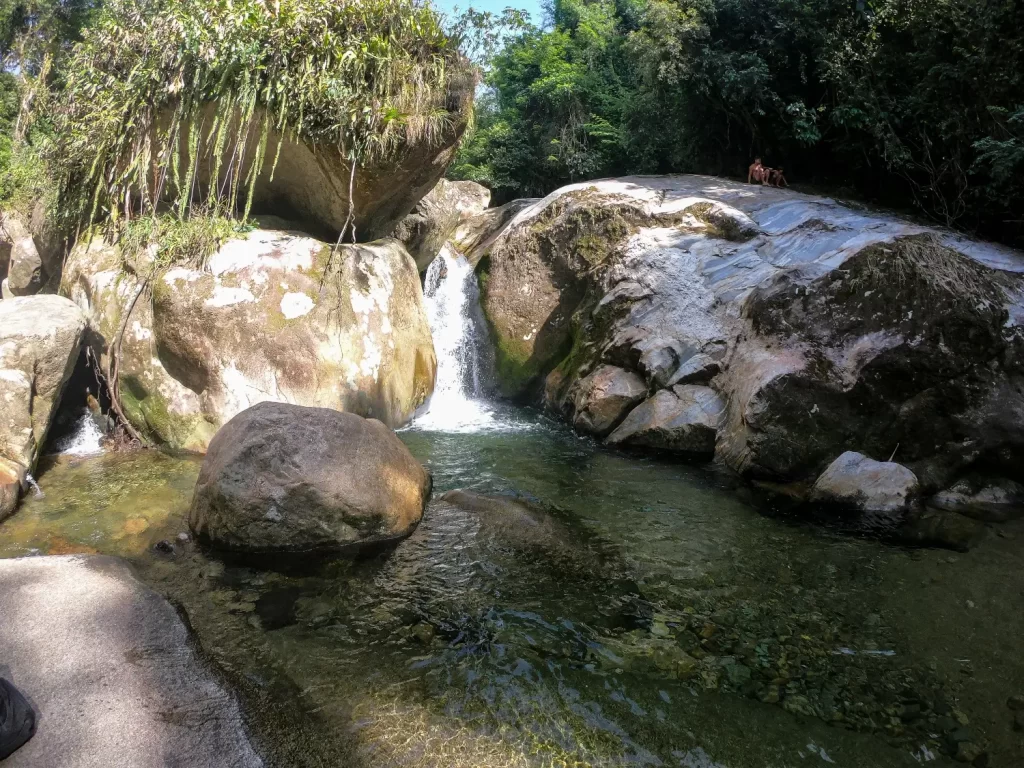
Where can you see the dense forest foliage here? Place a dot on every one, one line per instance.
(915, 104)
(910, 103)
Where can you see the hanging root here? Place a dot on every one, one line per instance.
(350, 219)
(113, 363)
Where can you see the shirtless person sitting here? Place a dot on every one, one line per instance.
(776, 177)
(757, 173)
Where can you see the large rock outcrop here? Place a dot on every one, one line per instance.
(40, 340)
(112, 670)
(823, 328)
(310, 181)
(283, 478)
(437, 216)
(260, 323)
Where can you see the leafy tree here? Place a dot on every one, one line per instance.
(911, 103)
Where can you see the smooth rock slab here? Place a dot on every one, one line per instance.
(111, 672)
(856, 481)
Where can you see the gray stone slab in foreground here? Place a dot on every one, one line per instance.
(107, 664)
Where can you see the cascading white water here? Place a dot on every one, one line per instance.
(457, 404)
(85, 440)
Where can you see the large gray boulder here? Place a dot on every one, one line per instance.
(437, 216)
(112, 672)
(261, 322)
(823, 327)
(283, 478)
(605, 397)
(40, 341)
(857, 482)
(31, 253)
(683, 420)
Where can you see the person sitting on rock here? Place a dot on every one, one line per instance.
(757, 173)
(776, 177)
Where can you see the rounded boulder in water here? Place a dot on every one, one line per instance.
(282, 478)
(17, 720)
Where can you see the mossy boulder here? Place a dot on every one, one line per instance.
(823, 328)
(262, 322)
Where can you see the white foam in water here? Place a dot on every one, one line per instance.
(86, 440)
(457, 404)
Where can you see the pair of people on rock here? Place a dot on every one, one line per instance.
(762, 174)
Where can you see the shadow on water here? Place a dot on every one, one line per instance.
(644, 614)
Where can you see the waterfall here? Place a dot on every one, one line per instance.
(38, 492)
(85, 438)
(451, 297)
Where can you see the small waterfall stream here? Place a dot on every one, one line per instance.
(458, 403)
(84, 439)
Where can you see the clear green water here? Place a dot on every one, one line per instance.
(658, 618)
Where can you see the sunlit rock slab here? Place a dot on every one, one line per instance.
(111, 671)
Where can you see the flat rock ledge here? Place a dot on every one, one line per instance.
(111, 672)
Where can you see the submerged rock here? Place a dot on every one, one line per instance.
(436, 217)
(683, 420)
(40, 340)
(822, 327)
(112, 670)
(991, 500)
(857, 482)
(284, 478)
(262, 322)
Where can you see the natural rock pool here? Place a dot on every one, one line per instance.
(658, 615)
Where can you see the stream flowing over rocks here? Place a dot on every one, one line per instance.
(261, 322)
(811, 328)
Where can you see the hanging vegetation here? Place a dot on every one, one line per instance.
(158, 87)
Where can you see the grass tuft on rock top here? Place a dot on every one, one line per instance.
(165, 241)
(157, 86)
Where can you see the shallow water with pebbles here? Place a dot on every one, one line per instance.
(659, 616)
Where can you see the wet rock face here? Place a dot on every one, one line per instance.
(284, 478)
(40, 339)
(823, 328)
(436, 217)
(260, 324)
(859, 483)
